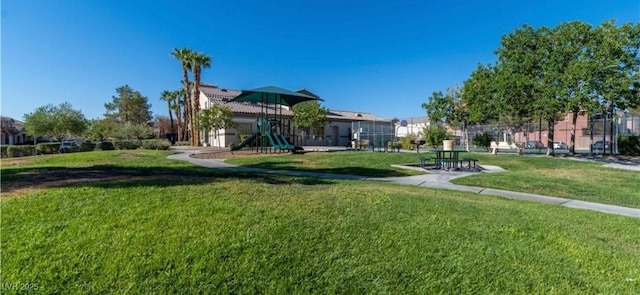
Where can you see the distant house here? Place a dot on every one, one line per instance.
(339, 130)
(412, 126)
(12, 132)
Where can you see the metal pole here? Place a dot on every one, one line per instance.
(604, 132)
(591, 134)
(540, 131)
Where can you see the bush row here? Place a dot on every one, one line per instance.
(3, 150)
(156, 144)
(629, 145)
(47, 148)
(12, 151)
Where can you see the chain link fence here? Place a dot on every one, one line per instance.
(596, 132)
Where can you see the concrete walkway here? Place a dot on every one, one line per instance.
(436, 179)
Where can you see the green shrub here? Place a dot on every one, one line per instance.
(47, 148)
(392, 144)
(126, 144)
(164, 145)
(21, 151)
(87, 146)
(156, 144)
(106, 146)
(3, 151)
(629, 145)
(150, 144)
(407, 142)
(434, 134)
(483, 140)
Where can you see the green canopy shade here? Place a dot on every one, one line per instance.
(273, 95)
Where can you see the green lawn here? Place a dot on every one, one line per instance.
(354, 163)
(203, 232)
(556, 177)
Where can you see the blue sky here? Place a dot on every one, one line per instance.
(382, 57)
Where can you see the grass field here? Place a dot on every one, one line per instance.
(556, 177)
(194, 231)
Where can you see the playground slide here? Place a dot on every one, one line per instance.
(275, 142)
(245, 142)
(285, 143)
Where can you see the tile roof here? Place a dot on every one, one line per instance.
(221, 95)
(354, 116)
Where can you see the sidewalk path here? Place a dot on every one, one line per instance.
(438, 179)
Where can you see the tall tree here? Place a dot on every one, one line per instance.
(615, 68)
(59, 122)
(479, 93)
(185, 56)
(181, 114)
(129, 106)
(199, 61)
(525, 84)
(214, 118)
(450, 108)
(309, 115)
(170, 97)
(570, 42)
(100, 129)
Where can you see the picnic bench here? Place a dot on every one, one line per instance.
(471, 163)
(424, 161)
(362, 144)
(394, 145)
(448, 160)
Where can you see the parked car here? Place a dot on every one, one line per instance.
(69, 147)
(560, 145)
(598, 145)
(535, 145)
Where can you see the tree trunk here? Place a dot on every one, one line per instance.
(611, 135)
(572, 143)
(466, 135)
(550, 151)
(187, 94)
(196, 103)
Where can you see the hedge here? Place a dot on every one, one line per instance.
(155, 144)
(126, 144)
(629, 145)
(21, 151)
(106, 146)
(48, 148)
(87, 146)
(3, 151)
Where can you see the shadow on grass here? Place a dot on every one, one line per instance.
(356, 171)
(112, 176)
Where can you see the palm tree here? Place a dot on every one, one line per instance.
(177, 107)
(199, 61)
(170, 97)
(184, 55)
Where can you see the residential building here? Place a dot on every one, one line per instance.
(412, 126)
(12, 132)
(340, 127)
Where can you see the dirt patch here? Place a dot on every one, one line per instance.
(16, 161)
(33, 181)
(30, 182)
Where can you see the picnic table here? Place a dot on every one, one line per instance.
(448, 159)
